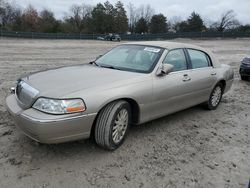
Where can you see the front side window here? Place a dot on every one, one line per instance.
(177, 59)
(136, 58)
(198, 59)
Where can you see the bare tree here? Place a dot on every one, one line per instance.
(10, 14)
(174, 23)
(227, 21)
(1, 3)
(146, 12)
(47, 22)
(76, 12)
(86, 10)
(79, 15)
(132, 19)
(149, 12)
(30, 19)
(2, 11)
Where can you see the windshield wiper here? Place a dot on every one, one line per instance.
(110, 67)
(104, 66)
(94, 63)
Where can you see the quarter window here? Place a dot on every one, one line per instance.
(198, 59)
(177, 59)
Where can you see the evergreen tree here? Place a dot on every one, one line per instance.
(182, 26)
(109, 17)
(121, 19)
(47, 22)
(141, 26)
(195, 22)
(98, 18)
(158, 24)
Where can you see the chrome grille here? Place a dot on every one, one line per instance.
(25, 94)
(246, 63)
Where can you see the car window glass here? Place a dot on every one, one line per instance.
(137, 58)
(118, 56)
(198, 59)
(177, 59)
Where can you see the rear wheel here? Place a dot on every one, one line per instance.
(112, 125)
(215, 97)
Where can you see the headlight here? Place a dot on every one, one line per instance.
(59, 106)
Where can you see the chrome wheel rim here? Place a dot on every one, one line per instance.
(120, 126)
(216, 96)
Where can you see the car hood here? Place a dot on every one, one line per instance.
(62, 81)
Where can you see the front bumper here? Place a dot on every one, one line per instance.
(244, 70)
(47, 128)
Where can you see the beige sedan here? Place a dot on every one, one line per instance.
(131, 84)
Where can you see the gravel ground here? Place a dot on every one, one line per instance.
(191, 148)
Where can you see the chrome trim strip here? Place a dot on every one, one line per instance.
(12, 90)
(55, 120)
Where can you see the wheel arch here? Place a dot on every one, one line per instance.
(135, 109)
(223, 82)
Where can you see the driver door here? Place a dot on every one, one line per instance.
(172, 92)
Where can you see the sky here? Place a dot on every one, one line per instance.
(210, 10)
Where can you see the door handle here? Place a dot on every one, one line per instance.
(213, 73)
(186, 78)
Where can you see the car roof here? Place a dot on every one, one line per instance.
(168, 45)
(174, 45)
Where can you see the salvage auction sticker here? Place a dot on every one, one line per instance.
(150, 49)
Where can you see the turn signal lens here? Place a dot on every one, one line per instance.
(75, 109)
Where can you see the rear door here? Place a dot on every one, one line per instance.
(202, 74)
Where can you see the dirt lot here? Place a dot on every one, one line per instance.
(192, 148)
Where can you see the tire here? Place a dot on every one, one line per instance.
(215, 97)
(244, 77)
(112, 125)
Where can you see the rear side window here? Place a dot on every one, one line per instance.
(198, 59)
(177, 59)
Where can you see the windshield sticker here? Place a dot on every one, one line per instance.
(150, 49)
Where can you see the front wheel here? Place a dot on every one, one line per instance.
(112, 125)
(215, 97)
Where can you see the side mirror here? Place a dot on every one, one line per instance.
(164, 69)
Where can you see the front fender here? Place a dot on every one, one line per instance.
(141, 92)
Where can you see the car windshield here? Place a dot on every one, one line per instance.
(136, 58)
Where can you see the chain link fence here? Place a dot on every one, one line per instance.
(161, 36)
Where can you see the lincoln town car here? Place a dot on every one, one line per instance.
(132, 83)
